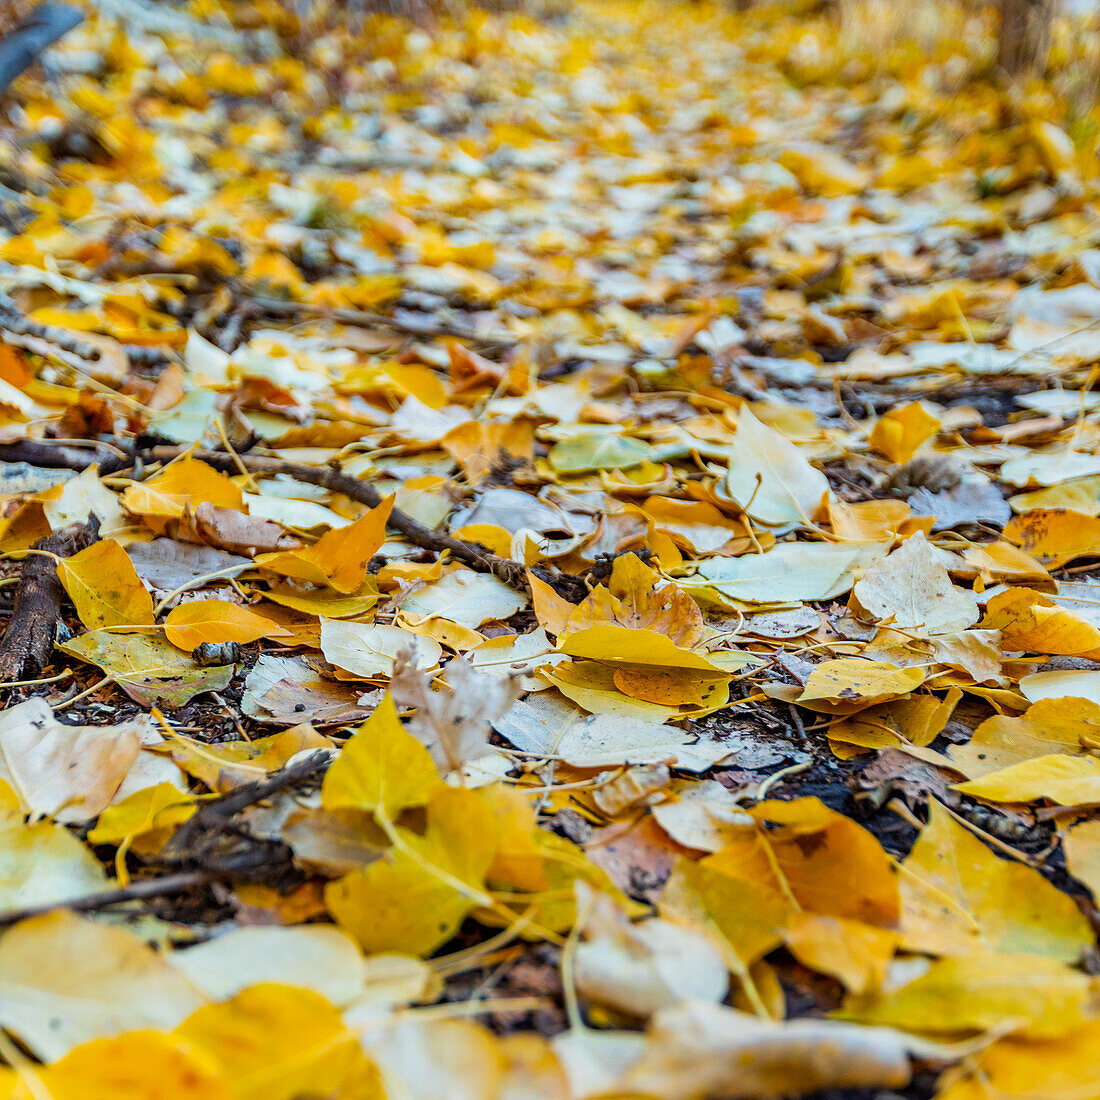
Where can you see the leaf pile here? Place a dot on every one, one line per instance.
(595, 595)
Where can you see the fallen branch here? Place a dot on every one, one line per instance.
(409, 324)
(28, 641)
(40, 30)
(57, 456)
(15, 323)
(89, 903)
(213, 817)
(195, 840)
(512, 573)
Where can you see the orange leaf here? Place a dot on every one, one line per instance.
(186, 483)
(200, 621)
(339, 557)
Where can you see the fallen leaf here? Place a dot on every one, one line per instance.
(65, 980)
(104, 587)
(768, 477)
(339, 557)
(912, 590)
(217, 621)
(958, 898)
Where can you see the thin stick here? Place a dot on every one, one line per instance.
(510, 572)
(136, 891)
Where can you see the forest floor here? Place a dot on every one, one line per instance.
(548, 556)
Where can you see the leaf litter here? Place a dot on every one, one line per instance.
(595, 542)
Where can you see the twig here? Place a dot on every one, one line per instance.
(136, 891)
(52, 455)
(28, 641)
(15, 322)
(510, 572)
(406, 322)
(212, 818)
(40, 30)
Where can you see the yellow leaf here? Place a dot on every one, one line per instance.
(902, 432)
(916, 719)
(1023, 1068)
(277, 1042)
(551, 610)
(623, 645)
(414, 901)
(190, 624)
(105, 588)
(819, 859)
(634, 597)
(184, 484)
(1064, 780)
(227, 765)
(912, 590)
(339, 558)
(1068, 726)
(140, 1065)
(855, 953)
(744, 916)
(875, 520)
(151, 813)
(1031, 622)
(850, 684)
(323, 602)
(769, 478)
(1054, 535)
(980, 992)
(381, 767)
(958, 897)
(1081, 844)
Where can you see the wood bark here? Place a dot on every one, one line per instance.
(1024, 40)
(28, 641)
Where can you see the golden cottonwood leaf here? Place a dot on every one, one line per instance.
(65, 980)
(105, 588)
(912, 590)
(979, 992)
(916, 719)
(228, 764)
(148, 669)
(1031, 622)
(190, 624)
(44, 863)
(849, 684)
(414, 900)
(768, 477)
(277, 1042)
(70, 773)
(1019, 1067)
(639, 968)
(1064, 780)
(855, 953)
(634, 597)
(875, 520)
(745, 916)
(900, 433)
(147, 817)
(958, 897)
(698, 1049)
(182, 485)
(816, 858)
(140, 1065)
(382, 767)
(1054, 535)
(338, 559)
(1065, 726)
(1081, 844)
(624, 645)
